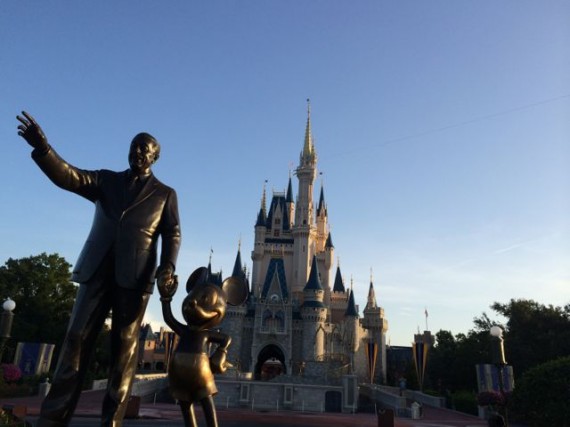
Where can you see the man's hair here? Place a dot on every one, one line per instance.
(147, 137)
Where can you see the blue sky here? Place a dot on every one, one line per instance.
(442, 130)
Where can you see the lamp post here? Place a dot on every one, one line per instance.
(498, 353)
(6, 323)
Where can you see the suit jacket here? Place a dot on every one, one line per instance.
(130, 229)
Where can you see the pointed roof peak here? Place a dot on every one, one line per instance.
(264, 196)
(238, 270)
(314, 282)
(371, 300)
(289, 197)
(261, 216)
(308, 147)
(351, 307)
(338, 282)
(329, 242)
(322, 205)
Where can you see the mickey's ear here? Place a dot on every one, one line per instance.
(198, 277)
(235, 289)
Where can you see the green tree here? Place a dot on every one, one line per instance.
(441, 359)
(44, 294)
(452, 360)
(534, 333)
(542, 395)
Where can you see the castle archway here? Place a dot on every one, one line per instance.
(270, 363)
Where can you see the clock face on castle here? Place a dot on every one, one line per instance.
(274, 298)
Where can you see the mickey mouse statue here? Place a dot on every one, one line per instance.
(191, 368)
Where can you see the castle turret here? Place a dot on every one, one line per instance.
(233, 322)
(351, 324)
(314, 314)
(322, 222)
(259, 245)
(304, 230)
(290, 202)
(338, 298)
(376, 325)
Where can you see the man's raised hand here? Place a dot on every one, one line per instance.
(32, 132)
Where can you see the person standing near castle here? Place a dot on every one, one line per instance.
(116, 269)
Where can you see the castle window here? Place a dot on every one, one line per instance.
(276, 233)
(277, 221)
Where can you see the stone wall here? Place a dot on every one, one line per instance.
(261, 395)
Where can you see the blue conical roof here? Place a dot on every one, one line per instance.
(238, 269)
(314, 282)
(290, 192)
(321, 202)
(338, 283)
(351, 307)
(329, 243)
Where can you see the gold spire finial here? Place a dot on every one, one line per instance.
(239, 243)
(263, 197)
(308, 146)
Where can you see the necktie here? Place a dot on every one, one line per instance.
(133, 188)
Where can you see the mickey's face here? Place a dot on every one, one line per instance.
(204, 307)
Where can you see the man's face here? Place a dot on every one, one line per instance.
(142, 155)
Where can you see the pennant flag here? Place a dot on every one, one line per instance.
(371, 349)
(420, 352)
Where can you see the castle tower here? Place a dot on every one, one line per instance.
(290, 202)
(259, 243)
(233, 323)
(338, 298)
(324, 246)
(351, 327)
(376, 325)
(314, 315)
(304, 230)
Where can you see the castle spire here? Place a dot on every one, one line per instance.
(261, 216)
(263, 197)
(322, 205)
(308, 147)
(314, 281)
(210, 262)
(351, 307)
(371, 301)
(338, 282)
(329, 243)
(289, 198)
(238, 270)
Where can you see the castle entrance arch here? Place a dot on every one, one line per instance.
(270, 363)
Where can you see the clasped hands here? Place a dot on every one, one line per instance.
(167, 283)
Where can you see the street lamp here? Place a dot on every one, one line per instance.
(6, 323)
(498, 353)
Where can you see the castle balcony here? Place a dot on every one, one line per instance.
(272, 330)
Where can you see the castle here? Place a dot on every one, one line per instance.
(299, 320)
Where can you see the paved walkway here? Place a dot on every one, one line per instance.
(165, 414)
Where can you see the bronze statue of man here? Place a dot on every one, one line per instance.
(116, 269)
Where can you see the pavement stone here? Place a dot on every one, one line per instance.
(168, 414)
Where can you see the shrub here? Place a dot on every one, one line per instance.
(542, 396)
(11, 373)
(465, 401)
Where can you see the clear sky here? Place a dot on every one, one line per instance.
(442, 130)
